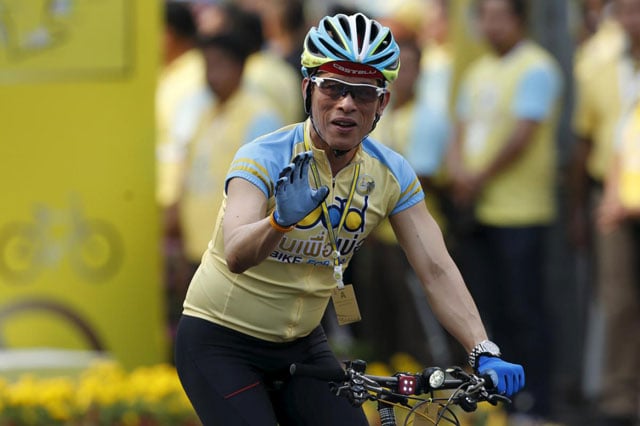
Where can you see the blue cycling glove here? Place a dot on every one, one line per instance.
(508, 378)
(295, 198)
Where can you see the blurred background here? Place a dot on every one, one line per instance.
(100, 102)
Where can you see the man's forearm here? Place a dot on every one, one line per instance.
(455, 308)
(250, 244)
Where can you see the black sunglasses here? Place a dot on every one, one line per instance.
(336, 89)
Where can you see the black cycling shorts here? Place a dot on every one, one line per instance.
(234, 379)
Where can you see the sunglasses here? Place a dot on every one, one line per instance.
(336, 89)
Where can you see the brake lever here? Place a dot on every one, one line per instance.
(467, 403)
(494, 398)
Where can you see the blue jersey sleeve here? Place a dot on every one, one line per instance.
(536, 93)
(410, 190)
(261, 160)
(429, 139)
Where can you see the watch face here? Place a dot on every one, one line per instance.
(490, 347)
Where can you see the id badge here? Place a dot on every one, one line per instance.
(345, 304)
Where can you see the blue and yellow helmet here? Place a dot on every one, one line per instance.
(351, 39)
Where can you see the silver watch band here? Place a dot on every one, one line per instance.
(486, 347)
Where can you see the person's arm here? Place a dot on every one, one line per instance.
(578, 191)
(458, 176)
(248, 235)
(518, 141)
(453, 155)
(611, 212)
(451, 302)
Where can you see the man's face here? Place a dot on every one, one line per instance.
(628, 12)
(499, 24)
(223, 72)
(343, 121)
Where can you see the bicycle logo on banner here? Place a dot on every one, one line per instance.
(93, 246)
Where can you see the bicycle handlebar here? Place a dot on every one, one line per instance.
(358, 387)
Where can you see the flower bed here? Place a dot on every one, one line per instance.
(103, 395)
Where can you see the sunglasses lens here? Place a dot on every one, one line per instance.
(364, 94)
(336, 90)
(332, 89)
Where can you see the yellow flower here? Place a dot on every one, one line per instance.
(102, 394)
(378, 369)
(403, 362)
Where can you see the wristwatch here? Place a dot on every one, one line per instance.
(486, 347)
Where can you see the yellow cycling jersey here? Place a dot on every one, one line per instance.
(285, 296)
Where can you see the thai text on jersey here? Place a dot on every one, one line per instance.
(353, 38)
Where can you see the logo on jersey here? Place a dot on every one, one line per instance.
(317, 249)
(365, 185)
(354, 222)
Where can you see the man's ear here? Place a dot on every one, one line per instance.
(383, 104)
(306, 94)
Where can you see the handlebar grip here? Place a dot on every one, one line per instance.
(329, 374)
(491, 386)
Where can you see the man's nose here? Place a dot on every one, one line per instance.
(344, 96)
(348, 91)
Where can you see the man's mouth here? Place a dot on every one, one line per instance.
(344, 124)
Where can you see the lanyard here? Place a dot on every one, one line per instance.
(333, 235)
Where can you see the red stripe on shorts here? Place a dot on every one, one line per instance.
(234, 393)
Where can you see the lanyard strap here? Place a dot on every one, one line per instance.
(333, 235)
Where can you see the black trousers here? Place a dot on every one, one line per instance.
(504, 269)
(235, 379)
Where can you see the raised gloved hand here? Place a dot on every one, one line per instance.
(508, 378)
(295, 198)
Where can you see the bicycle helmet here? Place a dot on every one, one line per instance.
(351, 39)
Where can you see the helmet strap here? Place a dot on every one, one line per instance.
(375, 123)
(307, 101)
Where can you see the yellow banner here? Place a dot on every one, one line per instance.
(79, 243)
(65, 39)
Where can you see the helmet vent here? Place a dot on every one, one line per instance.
(332, 49)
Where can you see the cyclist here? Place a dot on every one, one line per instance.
(298, 203)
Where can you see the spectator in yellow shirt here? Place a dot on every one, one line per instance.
(502, 170)
(262, 64)
(238, 116)
(606, 88)
(181, 77)
(620, 208)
